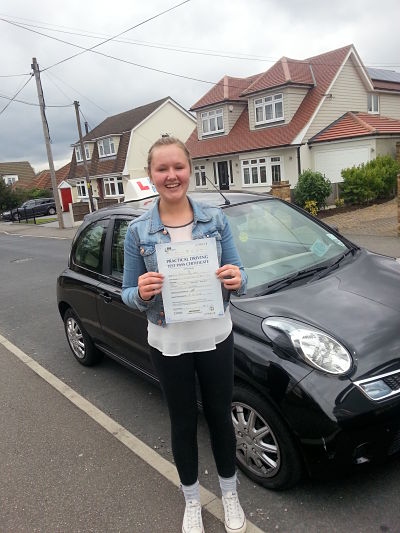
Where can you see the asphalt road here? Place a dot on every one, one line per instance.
(364, 501)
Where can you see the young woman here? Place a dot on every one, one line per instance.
(180, 351)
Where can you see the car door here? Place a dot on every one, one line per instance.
(124, 328)
(84, 274)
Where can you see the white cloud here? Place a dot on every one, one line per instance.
(266, 28)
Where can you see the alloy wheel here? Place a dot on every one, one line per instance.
(257, 448)
(75, 338)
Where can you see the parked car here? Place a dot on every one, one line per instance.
(36, 207)
(317, 344)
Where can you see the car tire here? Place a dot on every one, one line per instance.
(15, 217)
(265, 449)
(79, 341)
(51, 211)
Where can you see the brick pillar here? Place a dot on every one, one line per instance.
(281, 190)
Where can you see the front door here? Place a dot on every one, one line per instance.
(223, 175)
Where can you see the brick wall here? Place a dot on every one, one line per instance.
(281, 190)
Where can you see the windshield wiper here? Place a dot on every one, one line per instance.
(301, 274)
(327, 269)
(280, 283)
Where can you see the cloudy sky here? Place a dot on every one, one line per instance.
(201, 39)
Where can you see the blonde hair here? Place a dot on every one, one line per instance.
(168, 141)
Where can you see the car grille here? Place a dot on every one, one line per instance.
(393, 381)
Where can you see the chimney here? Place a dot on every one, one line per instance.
(226, 88)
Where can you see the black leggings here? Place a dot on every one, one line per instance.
(214, 370)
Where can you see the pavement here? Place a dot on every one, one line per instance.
(62, 470)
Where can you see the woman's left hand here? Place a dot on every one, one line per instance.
(230, 276)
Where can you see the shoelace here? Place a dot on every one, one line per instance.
(233, 506)
(193, 513)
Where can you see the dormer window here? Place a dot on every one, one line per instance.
(212, 121)
(268, 109)
(78, 153)
(106, 147)
(373, 103)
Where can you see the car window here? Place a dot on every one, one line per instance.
(88, 251)
(117, 261)
(274, 240)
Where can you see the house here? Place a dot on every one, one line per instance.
(19, 174)
(325, 113)
(43, 178)
(116, 150)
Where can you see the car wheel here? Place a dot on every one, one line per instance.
(51, 211)
(79, 341)
(265, 450)
(15, 217)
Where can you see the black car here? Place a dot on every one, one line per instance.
(31, 208)
(317, 337)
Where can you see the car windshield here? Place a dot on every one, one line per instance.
(275, 241)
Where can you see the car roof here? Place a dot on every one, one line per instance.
(138, 207)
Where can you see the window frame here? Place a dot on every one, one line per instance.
(200, 172)
(254, 166)
(373, 98)
(101, 150)
(212, 114)
(262, 102)
(79, 184)
(113, 181)
(10, 179)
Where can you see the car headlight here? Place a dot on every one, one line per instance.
(316, 347)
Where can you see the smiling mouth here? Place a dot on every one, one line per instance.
(172, 185)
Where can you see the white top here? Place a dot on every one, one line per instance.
(184, 337)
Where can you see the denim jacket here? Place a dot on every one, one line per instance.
(147, 230)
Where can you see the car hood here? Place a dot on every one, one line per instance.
(358, 304)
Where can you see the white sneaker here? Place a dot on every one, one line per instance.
(192, 521)
(235, 521)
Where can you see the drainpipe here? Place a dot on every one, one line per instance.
(298, 161)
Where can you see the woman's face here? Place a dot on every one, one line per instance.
(170, 172)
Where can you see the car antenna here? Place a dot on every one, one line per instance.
(227, 202)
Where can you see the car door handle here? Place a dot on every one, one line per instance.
(106, 297)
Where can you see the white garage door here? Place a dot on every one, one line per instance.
(331, 162)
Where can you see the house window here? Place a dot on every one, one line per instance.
(106, 147)
(10, 179)
(261, 172)
(268, 109)
(254, 172)
(113, 187)
(81, 188)
(200, 176)
(78, 153)
(212, 121)
(373, 103)
(276, 169)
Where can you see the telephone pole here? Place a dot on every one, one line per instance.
(89, 185)
(46, 134)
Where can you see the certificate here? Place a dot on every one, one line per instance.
(191, 289)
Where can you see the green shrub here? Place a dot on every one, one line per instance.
(312, 186)
(370, 181)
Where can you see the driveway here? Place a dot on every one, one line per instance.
(376, 220)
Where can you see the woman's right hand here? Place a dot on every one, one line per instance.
(150, 284)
